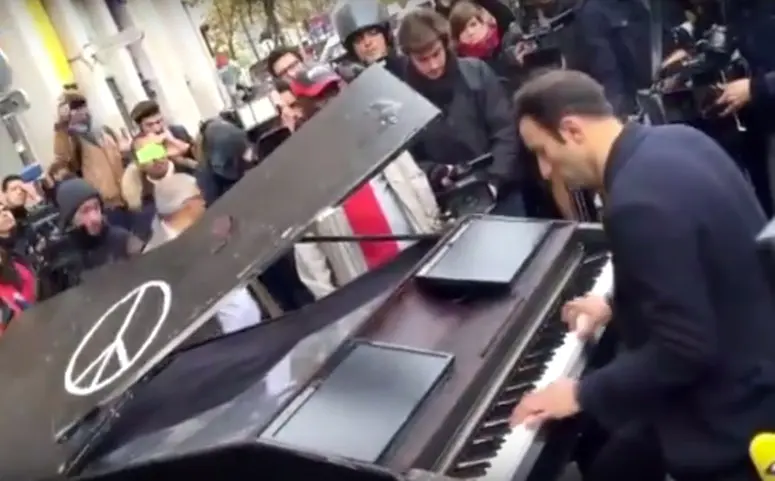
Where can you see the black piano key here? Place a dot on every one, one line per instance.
(469, 473)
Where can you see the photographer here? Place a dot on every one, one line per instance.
(20, 199)
(752, 25)
(93, 151)
(11, 240)
(175, 138)
(477, 117)
(18, 288)
(740, 109)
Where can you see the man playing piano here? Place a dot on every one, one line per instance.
(696, 378)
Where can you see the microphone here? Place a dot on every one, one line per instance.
(762, 452)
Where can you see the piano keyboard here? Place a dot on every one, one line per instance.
(566, 361)
(492, 450)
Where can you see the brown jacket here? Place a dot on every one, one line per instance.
(100, 165)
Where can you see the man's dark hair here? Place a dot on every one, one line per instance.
(143, 110)
(10, 178)
(420, 28)
(553, 95)
(277, 54)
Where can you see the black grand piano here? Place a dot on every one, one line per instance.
(410, 372)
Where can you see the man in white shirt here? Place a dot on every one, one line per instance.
(179, 204)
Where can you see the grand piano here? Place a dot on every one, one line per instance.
(409, 372)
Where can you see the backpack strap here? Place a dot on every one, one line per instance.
(472, 77)
(471, 74)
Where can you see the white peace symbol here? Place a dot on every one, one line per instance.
(117, 348)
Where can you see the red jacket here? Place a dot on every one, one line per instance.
(18, 299)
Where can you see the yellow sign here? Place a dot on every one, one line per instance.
(51, 42)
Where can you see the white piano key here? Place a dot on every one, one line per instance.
(506, 463)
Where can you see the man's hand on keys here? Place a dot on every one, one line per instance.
(585, 315)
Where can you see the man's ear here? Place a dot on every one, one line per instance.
(545, 169)
(572, 127)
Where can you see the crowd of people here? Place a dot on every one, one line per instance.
(109, 196)
(119, 195)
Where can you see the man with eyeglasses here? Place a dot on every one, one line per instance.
(284, 63)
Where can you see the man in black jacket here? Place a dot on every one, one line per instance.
(82, 216)
(477, 116)
(613, 45)
(752, 26)
(692, 303)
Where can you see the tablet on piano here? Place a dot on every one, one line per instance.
(484, 255)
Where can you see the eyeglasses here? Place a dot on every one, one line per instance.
(282, 73)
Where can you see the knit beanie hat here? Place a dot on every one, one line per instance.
(70, 195)
(171, 194)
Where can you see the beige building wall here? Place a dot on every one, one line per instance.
(49, 43)
(164, 57)
(37, 75)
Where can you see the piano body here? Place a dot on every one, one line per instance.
(77, 366)
(490, 317)
(423, 375)
(413, 371)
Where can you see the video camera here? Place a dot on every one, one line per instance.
(51, 251)
(686, 90)
(543, 37)
(469, 192)
(270, 141)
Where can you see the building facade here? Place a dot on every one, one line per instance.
(118, 52)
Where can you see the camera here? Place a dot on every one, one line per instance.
(543, 37)
(270, 141)
(687, 90)
(52, 252)
(469, 192)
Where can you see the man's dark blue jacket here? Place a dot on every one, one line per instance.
(752, 25)
(612, 45)
(692, 303)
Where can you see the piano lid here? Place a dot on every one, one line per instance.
(90, 344)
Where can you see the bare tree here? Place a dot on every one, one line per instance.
(225, 16)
